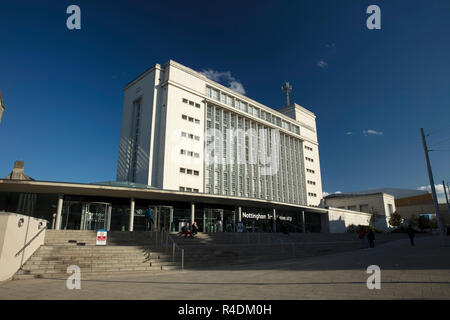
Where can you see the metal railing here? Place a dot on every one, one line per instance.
(163, 240)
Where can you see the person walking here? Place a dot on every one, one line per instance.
(371, 238)
(411, 234)
(219, 225)
(149, 219)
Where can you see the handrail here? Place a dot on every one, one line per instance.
(174, 246)
(29, 242)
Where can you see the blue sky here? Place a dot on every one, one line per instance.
(63, 89)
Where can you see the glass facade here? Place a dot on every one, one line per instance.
(248, 159)
(251, 110)
(95, 212)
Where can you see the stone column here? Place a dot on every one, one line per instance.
(274, 220)
(239, 214)
(131, 224)
(192, 213)
(303, 222)
(59, 211)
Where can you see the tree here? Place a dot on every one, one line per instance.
(395, 220)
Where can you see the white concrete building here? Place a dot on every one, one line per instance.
(182, 131)
(380, 205)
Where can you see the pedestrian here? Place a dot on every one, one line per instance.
(229, 227)
(219, 225)
(187, 230)
(149, 218)
(371, 238)
(362, 237)
(195, 228)
(411, 234)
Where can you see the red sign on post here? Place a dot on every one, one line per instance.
(101, 237)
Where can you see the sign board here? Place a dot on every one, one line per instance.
(240, 227)
(101, 237)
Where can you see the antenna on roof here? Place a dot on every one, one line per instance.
(287, 88)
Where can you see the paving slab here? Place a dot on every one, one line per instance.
(420, 272)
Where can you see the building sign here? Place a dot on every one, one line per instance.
(263, 216)
(101, 237)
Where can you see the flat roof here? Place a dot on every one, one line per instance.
(119, 190)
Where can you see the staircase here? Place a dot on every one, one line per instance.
(126, 252)
(224, 249)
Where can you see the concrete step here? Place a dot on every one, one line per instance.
(92, 273)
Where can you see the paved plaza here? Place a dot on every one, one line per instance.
(420, 272)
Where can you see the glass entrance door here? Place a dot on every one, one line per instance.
(210, 218)
(95, 216)
(162, 217)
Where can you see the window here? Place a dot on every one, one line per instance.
(191, 103)
(196, 155)
(189, 189)
(196, 173)
(181, 188)
(191, 119)
(353, 208)
(182, 151)
(195, 190)
(184, 116)
(189, 171)
(185, 100)
(182, 170)
(197, 105)
(197, 138)
(197, 121)
(183, 134)
(364, 208)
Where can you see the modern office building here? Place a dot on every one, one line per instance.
(191, 149)
(183, 131)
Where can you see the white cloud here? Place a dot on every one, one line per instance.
(372, 132)
(322, 64)
(349, 133)
(226, 78)
(439, 191)
(324, 193)
(330, 45)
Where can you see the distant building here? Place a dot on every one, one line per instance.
(379, 205)
(421, 205)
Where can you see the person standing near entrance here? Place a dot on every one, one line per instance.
(219, 225)
(411, 234)
(371, 238)
(149, 218)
